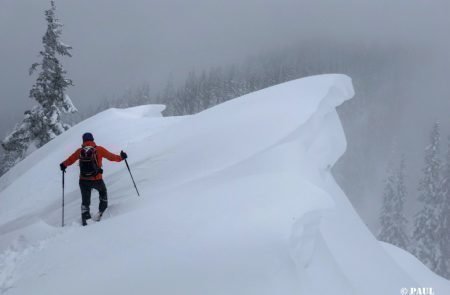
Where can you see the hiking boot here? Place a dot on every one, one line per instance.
(98, 216)
(86, 215)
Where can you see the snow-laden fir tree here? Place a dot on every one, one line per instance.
(443, 229)
(393, 222)
(426, 237)
(43, 122)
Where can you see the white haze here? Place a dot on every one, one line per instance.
(122, 44)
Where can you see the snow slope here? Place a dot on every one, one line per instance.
(238, 199)
(425, 277)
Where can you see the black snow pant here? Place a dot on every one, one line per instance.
(86, 187)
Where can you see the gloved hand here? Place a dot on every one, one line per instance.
(123, 155)
(63, 167)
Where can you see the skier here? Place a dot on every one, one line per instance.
(90, 160)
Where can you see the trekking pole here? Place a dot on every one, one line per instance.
(63, 198)
(126, 162)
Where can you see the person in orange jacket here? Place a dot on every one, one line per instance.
(90, 157)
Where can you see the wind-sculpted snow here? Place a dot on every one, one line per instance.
(238, 199)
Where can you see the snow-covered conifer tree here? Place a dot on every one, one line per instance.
(425, 236)
(393, 222)
(443, 230)
(43, 122)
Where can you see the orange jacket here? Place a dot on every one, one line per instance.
(101, 153)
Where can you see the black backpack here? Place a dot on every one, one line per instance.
(88, 161)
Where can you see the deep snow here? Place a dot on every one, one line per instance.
(238, 199)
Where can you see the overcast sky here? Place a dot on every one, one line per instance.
(121, 44)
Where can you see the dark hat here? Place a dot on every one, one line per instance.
(88, 137)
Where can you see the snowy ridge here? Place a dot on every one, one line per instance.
(238, 199)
